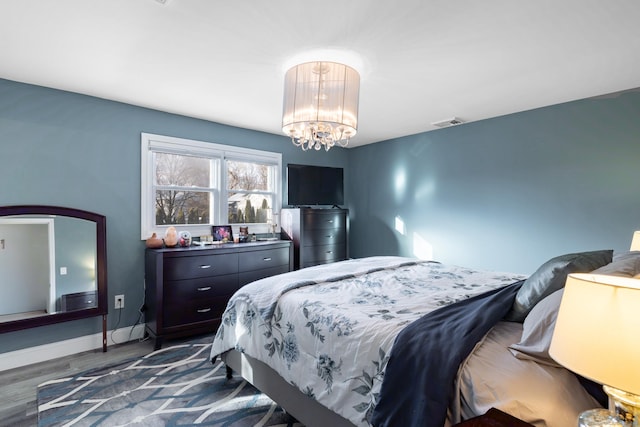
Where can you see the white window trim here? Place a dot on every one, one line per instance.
(149, 142)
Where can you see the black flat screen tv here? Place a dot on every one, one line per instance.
(314, 185)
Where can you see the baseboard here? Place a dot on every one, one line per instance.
(41, 353)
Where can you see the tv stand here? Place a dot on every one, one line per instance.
(320, 236)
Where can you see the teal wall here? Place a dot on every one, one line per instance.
(65, 149)
(499, 194)
(507, 193)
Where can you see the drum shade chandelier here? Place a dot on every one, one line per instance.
(320, 107)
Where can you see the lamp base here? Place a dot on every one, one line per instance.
(599, 418)
(625, 406)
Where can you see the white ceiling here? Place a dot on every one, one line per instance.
(421, 61)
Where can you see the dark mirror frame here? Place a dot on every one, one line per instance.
(101, 270)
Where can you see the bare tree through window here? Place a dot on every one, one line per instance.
(251, 192)
(181, 189)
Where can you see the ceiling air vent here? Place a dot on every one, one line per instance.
(448, 122)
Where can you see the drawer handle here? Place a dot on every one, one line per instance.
(329, 252)
(204, 310)
(330, 221)
(266, 259)
(329, 236)
(206, 288)
(89, 301)
(205, 266)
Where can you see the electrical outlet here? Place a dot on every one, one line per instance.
(119, 303)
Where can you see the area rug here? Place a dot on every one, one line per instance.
(174, 386)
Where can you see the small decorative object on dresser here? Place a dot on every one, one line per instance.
(184, 239)
(171, 237)
(244, 235)
(222, 233)
(154, 242)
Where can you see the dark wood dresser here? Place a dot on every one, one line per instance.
(187, 289)
(319, 236)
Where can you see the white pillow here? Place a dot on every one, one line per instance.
(537, 331)
(625, 264)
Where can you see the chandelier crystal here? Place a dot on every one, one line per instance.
(320, 107)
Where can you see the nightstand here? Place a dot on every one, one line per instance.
(494, 418)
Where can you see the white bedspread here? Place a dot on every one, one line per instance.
(331, 338)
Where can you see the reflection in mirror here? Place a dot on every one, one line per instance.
(53, 258)
(52, 266)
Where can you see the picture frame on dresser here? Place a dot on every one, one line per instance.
(221, 233)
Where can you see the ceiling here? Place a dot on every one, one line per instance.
(421, 61)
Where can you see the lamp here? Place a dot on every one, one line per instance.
(597, 335)
(635, 242)
(320, 107)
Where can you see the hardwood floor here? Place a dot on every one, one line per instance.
(18, 405)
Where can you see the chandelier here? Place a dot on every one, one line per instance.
(320, 107)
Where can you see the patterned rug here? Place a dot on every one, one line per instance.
(174, 386)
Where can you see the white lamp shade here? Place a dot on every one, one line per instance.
(321, 93)
(635, 242)
(597, 332)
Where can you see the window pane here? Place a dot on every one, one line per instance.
(182, 207)
(247, 176)
(247, 208)
(182, 171)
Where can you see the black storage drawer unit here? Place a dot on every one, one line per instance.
(187, 289)
(319, 236)
(78, 300)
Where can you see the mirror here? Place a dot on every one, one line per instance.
(52, 266)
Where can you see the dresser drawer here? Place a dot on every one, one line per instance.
(188, 267)
(314, 255)
(321, 237)
(257, 260)
(193, 311)
(201, 288)
(252, 276)
(322, 220)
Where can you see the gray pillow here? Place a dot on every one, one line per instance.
(551, 276)
(625, 264)
(537, 331)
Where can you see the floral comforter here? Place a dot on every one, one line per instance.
(328, 330)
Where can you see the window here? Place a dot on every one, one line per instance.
(193, 185)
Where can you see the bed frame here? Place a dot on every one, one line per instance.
(301, 407)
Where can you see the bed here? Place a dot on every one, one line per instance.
(389, 341)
